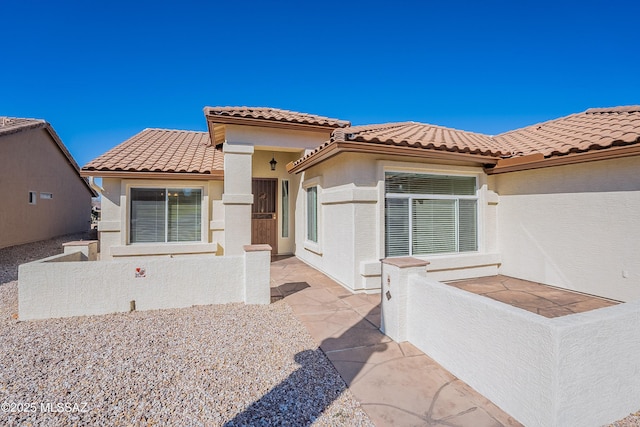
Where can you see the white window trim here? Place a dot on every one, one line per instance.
(385, 166)
(315, 247)
(282, 209)
(126, 213)
(33, 200)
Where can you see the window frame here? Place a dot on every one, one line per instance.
(166, 186)
(411, 197)
(33, 197)
(312, 235)
(285, 222)
(310, 245)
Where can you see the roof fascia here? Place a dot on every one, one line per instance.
(70, 160)
(215, 176)
(363, 147)
(270, 123)
(590, 156)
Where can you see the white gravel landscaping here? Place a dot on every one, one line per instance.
(227, 365)
(224, 365)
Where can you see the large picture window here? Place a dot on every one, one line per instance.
(430, 214)
(166, 215)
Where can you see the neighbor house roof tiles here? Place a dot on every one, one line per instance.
(162, 150)
(15, 124)
(274, 115)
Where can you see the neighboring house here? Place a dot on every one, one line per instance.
(557, 202)
(42, 193)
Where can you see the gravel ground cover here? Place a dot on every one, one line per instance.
(228, 365)
(12, 257)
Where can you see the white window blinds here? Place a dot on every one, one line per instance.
(165, 215)
(429, 214)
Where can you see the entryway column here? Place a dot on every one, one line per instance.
(237, 198)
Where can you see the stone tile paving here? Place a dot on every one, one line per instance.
(395, 383)
(547, 301)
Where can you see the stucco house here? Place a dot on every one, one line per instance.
(556, 202)
(42, 192)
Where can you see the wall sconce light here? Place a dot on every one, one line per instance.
(273, 162)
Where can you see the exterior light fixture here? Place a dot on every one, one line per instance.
(273, 162)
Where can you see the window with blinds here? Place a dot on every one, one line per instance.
(430, 214)
(165, 215)
(312, 214)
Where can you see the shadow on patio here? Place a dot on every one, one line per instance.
(395, 383)
(303, 396)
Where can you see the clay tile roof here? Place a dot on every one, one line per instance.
(275, 115)
(15, 124)
(421, 135)
(594, 129)
(415, 135)
(162, 150)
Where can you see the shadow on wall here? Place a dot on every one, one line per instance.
(305, 394)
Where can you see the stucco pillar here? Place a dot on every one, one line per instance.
(89, 248)
(395, 283)
(257, 274)
(237, 198)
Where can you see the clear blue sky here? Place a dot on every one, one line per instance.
(100, 72)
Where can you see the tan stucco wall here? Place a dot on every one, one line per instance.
(262, 169)
(351, 220)
(272, 137)
(113, 226)
(574, 226)
(31, 161)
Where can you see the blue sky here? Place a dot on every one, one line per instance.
(100, 72)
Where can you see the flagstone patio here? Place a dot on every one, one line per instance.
(547, 301)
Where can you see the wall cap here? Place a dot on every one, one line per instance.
(79, 243)
(405, 262)
(257, 248)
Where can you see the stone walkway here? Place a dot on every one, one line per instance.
(396, 384)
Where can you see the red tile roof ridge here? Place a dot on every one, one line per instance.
(275, 115)
(621, 109)
(174, 130)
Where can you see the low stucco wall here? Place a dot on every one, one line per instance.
(576, 370)
(64, 286)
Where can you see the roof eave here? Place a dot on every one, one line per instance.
(573, 158)
(70, 160)
(215, 175)
(246, 121)
(363, 147)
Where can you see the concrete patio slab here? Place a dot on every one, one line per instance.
(396, 384)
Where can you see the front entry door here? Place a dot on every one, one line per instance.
(264, 225)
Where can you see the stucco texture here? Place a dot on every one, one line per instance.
(30, 160)
(575, 226)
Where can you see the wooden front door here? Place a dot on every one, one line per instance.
(264, 223)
